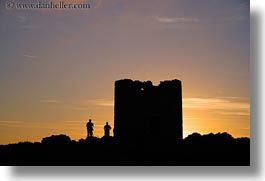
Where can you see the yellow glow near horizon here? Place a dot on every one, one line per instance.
(199, 115)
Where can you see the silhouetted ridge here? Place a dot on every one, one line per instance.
(219, 138)
(56, 139)
(196, 149)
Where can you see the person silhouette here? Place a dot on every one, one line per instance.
(107, 129)
(89, 126)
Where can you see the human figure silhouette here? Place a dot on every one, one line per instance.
(107, 129)
(89, 126)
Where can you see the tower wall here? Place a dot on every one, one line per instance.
(144, 113)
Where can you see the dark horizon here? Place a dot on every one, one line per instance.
(59, 150)
(96, 137)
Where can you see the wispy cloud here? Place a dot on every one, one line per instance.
(98, 3)
(176, 20)
(237, 113)
(83, 105)
(75, 121)
(100, 102)
(26, 55)
(236, 18)
(78, 108)
(214, 103)
(24, 23)
(243, 6)
(21, 19)
(86, 105)
(227, 106)
(29, 124)
(50, 101)
(30, 26)
(10, 122)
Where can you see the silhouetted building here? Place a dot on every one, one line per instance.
(145, 113)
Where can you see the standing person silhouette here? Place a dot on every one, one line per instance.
(89, 126)
(107, 129)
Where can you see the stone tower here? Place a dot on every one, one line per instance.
(144, 113)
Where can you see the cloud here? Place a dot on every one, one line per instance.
(86, 105)
(100, 102)
(97, 3)
(28, 56)
(50, 101)
(75, 123)
(78, 108)
(24, 23)
(237, 113)
(21, 19)
(236, 18)
(227, 106)
(29, 124)
(243, 6)
(176, 20)
(10, 122)
(30, 27)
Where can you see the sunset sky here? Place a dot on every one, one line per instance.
(58, 67)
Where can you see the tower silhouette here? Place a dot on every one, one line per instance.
(144, 113)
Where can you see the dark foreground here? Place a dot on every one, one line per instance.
(218, 149)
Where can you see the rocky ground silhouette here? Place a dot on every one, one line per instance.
(196, 149)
